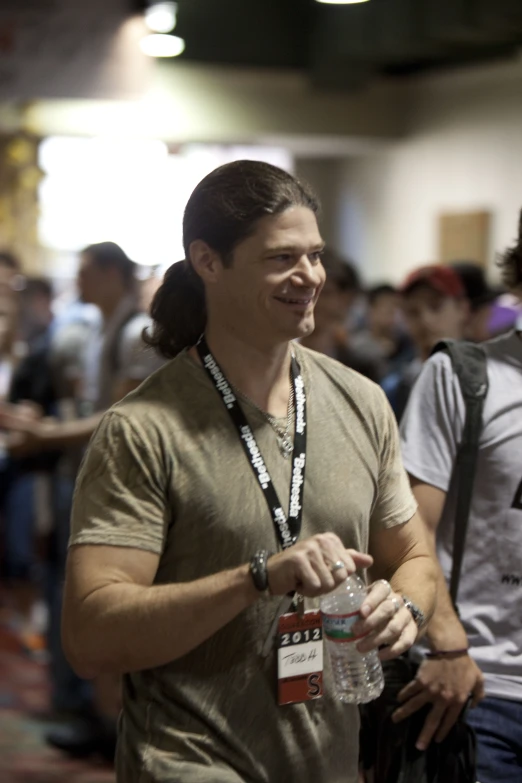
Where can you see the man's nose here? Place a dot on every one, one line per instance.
(308, 273)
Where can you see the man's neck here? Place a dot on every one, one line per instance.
(259, 371)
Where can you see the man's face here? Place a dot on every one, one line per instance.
(431, 317)
(384, 312)
(270, 289)
(91, 280)
(333, 306)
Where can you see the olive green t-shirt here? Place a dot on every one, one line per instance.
(166, 473)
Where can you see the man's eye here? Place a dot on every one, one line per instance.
(316, 255)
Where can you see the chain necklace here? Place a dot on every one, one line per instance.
(284, 440)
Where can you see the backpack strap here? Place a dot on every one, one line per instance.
(470, 367)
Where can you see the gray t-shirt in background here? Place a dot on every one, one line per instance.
(115, 352)
(490, 590)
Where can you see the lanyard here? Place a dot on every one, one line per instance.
(287, 527)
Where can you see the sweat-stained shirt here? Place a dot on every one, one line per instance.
(166, 473)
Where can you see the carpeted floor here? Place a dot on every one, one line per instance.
(24, 756)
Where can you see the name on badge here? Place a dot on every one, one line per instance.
(300, 657)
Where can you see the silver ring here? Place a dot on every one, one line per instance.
(337, 566)
(396, 604)
(386, 584)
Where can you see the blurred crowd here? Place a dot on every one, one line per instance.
(60, 369)
(62, 366)
(386, 332)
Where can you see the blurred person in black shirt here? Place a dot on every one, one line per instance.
(383, 339)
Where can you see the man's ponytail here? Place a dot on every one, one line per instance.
(178, 311)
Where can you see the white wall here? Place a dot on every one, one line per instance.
(463, 152)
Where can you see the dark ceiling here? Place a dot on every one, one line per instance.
(343, 46)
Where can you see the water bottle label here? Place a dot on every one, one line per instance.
(338, 627)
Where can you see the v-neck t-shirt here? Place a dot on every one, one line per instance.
(166, 473)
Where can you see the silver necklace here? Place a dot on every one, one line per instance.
(284, 440)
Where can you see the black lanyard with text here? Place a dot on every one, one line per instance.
(288, 527)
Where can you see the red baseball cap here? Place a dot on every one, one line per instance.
(440, 278)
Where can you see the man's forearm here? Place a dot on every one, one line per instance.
(126, 627)
(445, 631)
(416, 579)
(402, 555)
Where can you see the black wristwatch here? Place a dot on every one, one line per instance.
(418, 615)
(258, 569)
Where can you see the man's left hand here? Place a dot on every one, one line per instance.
(447, 684)
(385, 621)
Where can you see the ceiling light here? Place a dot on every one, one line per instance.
(161, 17)
(341, 2)
(162, 45)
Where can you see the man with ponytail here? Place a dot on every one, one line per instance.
(481, 648)
(241, 482)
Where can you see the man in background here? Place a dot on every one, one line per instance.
(112, 361)
(481, 297)
(333, 315)
(382, 339)
(435, 307)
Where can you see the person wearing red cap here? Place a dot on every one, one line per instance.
(435, 307)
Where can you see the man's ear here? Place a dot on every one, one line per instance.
(205, 261)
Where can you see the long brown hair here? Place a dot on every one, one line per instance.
(222, 211)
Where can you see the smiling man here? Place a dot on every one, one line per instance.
(245, 471)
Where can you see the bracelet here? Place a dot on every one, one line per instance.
(258, 569)
(447, 653)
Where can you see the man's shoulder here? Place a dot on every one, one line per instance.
(327, 371)
(163, 391)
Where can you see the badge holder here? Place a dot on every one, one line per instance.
(300, 657)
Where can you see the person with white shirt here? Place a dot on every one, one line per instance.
(483, 646)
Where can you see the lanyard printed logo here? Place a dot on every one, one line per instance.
(287, 528)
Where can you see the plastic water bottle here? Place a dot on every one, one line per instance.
(358, 677)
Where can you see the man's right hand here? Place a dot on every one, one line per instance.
(306, 567)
